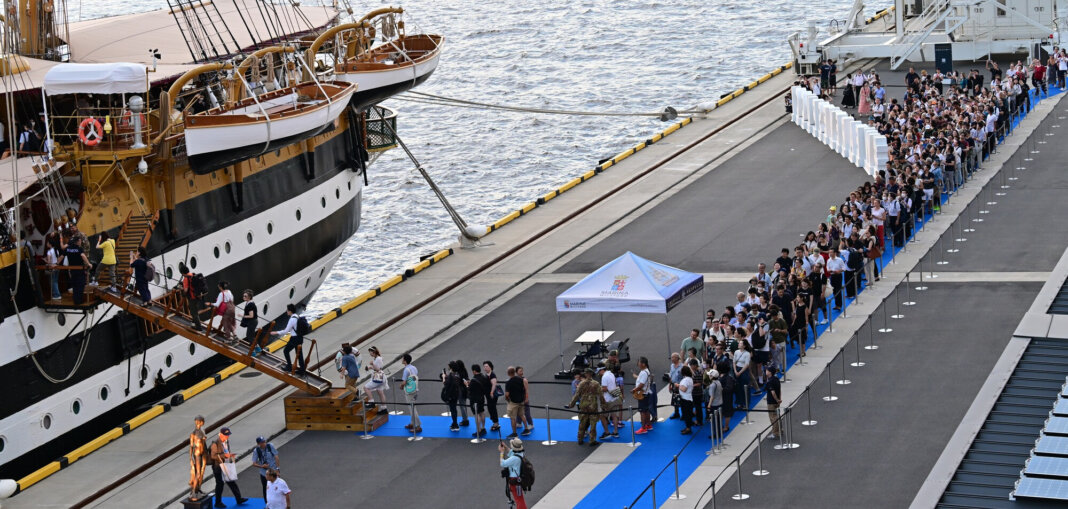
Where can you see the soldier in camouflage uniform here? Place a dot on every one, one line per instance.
(588, 396)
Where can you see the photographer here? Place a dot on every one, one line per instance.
(511, 463)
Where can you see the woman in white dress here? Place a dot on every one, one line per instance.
(379, 383)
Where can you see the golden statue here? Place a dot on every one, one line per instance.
(197, 458)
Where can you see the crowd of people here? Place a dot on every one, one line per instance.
(220, 456)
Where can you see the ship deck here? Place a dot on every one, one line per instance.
(705, 210)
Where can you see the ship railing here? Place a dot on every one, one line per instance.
(381, 129)
(112, 130)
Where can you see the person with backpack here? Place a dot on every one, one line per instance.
(296, 328)
(350, 369)
(194, 286)
(477, 391)
(224, 307)
(143, 271)
(265, 457)
(517, 470)
(411, 393)
(450, 391)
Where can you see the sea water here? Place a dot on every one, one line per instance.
(589, 55)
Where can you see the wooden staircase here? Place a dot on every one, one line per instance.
(167, 313)
(334, 410)
(136, 232)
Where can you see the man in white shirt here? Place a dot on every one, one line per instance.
(277, 491)
(837, 267)
(611, 403)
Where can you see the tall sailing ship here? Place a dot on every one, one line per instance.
(232, 136)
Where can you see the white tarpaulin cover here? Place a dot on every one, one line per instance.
(630, 284)
(117, 78)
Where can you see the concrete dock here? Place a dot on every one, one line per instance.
(706, 210)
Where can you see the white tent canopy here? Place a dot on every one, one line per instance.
(116, 78)
(630, 284)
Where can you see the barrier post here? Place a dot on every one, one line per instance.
(941, 251)
(921, 287)
(366, 435)
(788, 430)
(760, 472)
(844, 380)
(395, 405)
(633, 443)
(713, 428)
(738, 476)
(548, 428)
(856, 342)
(908, 291)
(886, 327)
(677, 495)
(830, 387)
(746, 420)
(808, 399)
(652, 484)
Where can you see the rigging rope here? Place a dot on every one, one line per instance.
(427, 98)
(466, 230)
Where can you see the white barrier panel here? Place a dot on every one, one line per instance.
(860, 144)
(856, 138)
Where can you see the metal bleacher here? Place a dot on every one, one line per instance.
(1019, 459)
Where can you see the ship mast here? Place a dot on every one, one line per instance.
(40, 27)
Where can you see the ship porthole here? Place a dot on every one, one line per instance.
(270, 228)
(291, 291)
(322, 270)
(216, 251)
(104, 393)
(298, 214)
(62, 319)
(46, 421)
(226, 247)
(31, 331)
(248, 237)
(337, 193)
(167, 361)
(192, 348)
(3, 443)
(307, 282)
(144, 373)
(265, 306)
(322, 201)
(170, 272)
(76, 406)
(193, 262)
(350, 185)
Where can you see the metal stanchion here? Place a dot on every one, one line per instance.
(921, 287)
(856, 342)
(808, 401)
(395, 405)
(652, 484)
(830, 387)
(738, 475)
(633, 443)
(871, 333)
(844, 380)
(746, 420)
(760, 472)
(786, 441)
(713, 488)
(713, 432)
(677, 495)
(942, 252)
(886, 327)
(366, 432)
(548, 428)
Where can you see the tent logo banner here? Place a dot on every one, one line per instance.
(662, 278)
(570, 304)
(618, 288)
